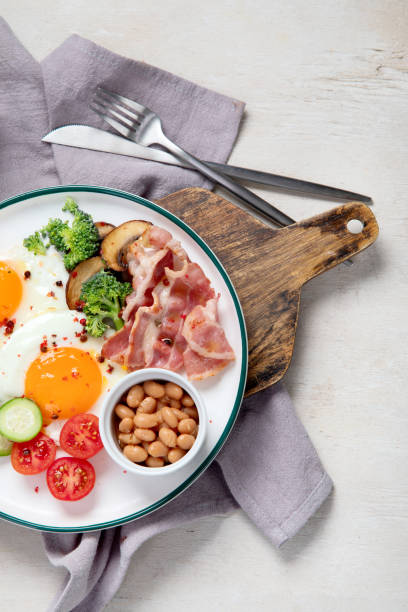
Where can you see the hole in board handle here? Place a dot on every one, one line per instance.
(355, 226)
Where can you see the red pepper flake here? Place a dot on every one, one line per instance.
(18, 355)
(76, 319)
(65, 378)
(166, 282)
(186, 275)
(51, 294)
(83, 337)
(125, 472)
(75, 374)
(59, 283)
(183, 316)
(79, 306)
(77, 334)
(82, 321)
(31, 307)
(100, 358)
(27, 274)
(74, 274)
(54, 343)
(210, 421)
(9, 327)
(109, 369)
(36, 489)
(44, 346)
(53, 335)
(65, 338)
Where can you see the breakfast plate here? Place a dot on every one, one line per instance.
(119, 495)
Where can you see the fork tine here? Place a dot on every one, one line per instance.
(139, 108)
(119, 127)
(129, 121)
(121, 110)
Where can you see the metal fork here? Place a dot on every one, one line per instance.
(140, 124)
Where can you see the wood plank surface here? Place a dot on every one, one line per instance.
(269, 267)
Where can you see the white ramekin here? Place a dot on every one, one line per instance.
(113, 397)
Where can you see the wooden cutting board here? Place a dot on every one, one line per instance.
(269, 266)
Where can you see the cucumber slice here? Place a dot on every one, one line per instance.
(5, 446)
(20, 419)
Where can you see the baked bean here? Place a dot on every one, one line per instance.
(191, 411)
(146, 446)
(148, 405)
(180, 414)
(135, 396)
(144, 420)
(187, 426)
(123, 411)
(186, 400)
(161, 404)
(175, 404)
(128, 438)
(175, 454)
(154, 462)
(159, 415)
(153, 388)
(137, 454)
(173, 391)
(169, 417)
(157, 449)
(185, 441)
(147, 435)
(168, 437)
(126, 425)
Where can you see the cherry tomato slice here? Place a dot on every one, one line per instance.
(80, 436)
(70, 479)
(34, 456)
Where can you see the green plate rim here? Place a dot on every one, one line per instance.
(244, 366)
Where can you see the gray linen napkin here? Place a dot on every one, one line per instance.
(278, 495)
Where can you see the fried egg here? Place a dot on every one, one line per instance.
(44, 358)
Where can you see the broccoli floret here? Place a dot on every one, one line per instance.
(81, 240)
(35, 244)
(103, 297)
(54, 230)
(75, 242)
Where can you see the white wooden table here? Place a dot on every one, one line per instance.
(326, 85)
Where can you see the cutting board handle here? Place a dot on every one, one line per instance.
(322, 242)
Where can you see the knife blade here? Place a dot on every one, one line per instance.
(87, 137)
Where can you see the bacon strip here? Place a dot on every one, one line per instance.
(205, 335)
(115, 347)
(199, 368)
(171, 317)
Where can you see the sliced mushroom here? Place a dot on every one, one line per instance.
(104, 229)
(81, 273)
(114, 246)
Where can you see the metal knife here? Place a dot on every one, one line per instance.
(87, 137)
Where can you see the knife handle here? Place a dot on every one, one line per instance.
(288, 183)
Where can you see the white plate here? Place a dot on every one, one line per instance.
(119, 497)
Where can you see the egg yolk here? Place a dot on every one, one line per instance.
(11, 290)
(63, 382)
